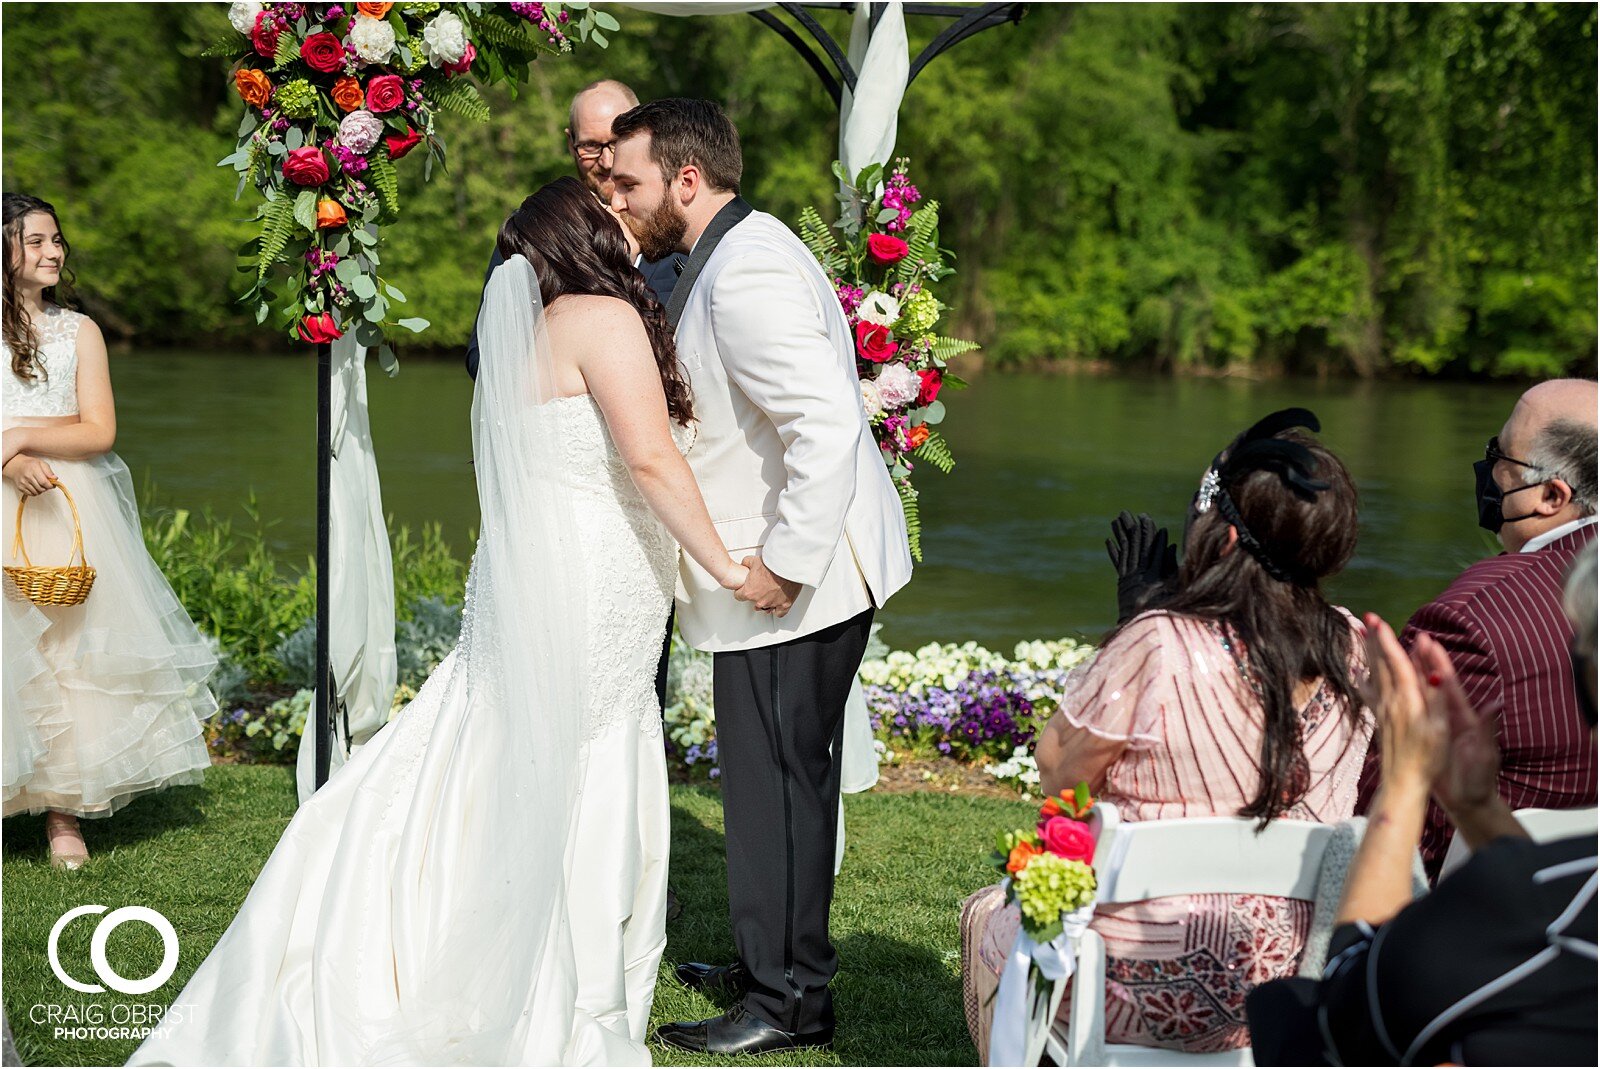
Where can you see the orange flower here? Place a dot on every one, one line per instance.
(329, 214)
(1051, 808)
(1021, 854)
(348, 94)
(255, 88)
(374, 11)
(918, 435)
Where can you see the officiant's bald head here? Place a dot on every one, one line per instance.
(589, 131)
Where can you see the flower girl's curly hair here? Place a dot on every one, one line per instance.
(576, 246)
(20, 336)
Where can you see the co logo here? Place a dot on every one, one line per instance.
(97, 950)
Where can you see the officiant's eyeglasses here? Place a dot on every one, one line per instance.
(592, 150)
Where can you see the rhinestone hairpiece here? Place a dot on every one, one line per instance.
(1210, 487)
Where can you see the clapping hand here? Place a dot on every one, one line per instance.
(1144, 560)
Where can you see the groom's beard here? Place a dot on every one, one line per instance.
(660, 232)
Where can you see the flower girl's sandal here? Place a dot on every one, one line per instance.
(67, 848)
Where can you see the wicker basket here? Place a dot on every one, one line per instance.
(66, 585)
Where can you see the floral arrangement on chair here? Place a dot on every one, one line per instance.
(335, 95)
(884, 263)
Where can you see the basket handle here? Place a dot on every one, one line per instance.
(17, 545)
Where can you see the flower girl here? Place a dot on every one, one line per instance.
(102, 700)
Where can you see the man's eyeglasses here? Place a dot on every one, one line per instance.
(1491, 453)
(593, 150)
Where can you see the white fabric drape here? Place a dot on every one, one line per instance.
(869, 118)
(361, 575)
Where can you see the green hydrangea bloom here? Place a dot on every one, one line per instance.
(919, 312)
(1051, 886)
(418, 60)
(296, 99)
(426, 8)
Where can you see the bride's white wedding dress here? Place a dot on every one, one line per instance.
(484, 882)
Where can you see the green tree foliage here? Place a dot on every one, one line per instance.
(1299, 187)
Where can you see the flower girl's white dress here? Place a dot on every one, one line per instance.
(102, 701)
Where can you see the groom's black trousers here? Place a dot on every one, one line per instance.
(780, 735)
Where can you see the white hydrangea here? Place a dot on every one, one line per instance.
(373, 39)
(946, 666)
(1020, 768)
(243, 14)
(898, 385)
(360, 130)
(880, 308)
(444, 40)
(871, 400)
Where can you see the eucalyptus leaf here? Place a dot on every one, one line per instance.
(239, 189)
(368, 336)
(374, 312)
(276, 148)
(394, 294)
(261, 312)
(414, 324)
(900, 472)
(362, 286)
(294, 138)
(347, 271)
(606, 22)
(248, 123)
(341, 244)
(888, 215)
(599, 38)
(387, 360)
(933, 415)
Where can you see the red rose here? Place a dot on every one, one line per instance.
(1068, 838)
(319, 329)
(886, 250)
(874, 342)
(931, 381)
(265, 36)
(385, 93)
(464, 64)
(306, 166)
(400, 144)
(323, 52)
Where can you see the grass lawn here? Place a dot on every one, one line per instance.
(191, 853)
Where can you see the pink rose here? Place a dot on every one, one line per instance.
(264, 37)
(874, 342)
(464, 64)
(886, 250)
(1068, 838)
(306, 166)
(385, 93)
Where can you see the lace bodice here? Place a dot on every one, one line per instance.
(631, 561)
(55, 391)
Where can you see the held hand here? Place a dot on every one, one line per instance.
(1414, 738)
(1143, 559)
(734, 575)
(30, 475)
(1470, 778)
(768, 591)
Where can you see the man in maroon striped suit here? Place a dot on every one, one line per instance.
(1501, 621)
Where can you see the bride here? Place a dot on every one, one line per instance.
(484, 882)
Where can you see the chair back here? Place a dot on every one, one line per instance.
(1542, 826)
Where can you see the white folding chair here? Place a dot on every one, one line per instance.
(1543, 826)
(1156, 859)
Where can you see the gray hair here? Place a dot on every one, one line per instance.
(604, 83)
(1567, 450)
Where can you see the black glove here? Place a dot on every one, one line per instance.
(1144, 561)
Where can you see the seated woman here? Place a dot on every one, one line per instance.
(1497, 965)
(1236, 698)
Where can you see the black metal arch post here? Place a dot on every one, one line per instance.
(968, 19)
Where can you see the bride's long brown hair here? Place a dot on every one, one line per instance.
(17, 328)
(576, 246)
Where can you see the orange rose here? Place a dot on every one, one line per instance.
(374, 11)
(347, 93)
(1051, 808)
(255, 88)
(917, 435)
(1021, 854)
(329, 214)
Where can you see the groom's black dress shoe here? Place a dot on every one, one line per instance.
(728, 981)
(738, 1032)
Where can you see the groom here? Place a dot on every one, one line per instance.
(800, 494)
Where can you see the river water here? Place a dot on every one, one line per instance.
(1013, 539)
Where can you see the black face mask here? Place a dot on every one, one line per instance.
(1491, 514)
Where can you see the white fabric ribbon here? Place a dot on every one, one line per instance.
(1017, 1007)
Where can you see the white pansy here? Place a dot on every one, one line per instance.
(444, 40)
(1019, 768)
(871, 400)
(373, 39)
(243, 14)
(898, 385)
(880, 308)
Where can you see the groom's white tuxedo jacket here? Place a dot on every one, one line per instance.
(783, 454)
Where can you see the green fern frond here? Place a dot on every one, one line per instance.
(936, 451)
(230, 47)
(385, 181)
(819, 238)
(277, 226)
(922, 236)
(945, 349)
(462, 98)
(288, 51)
(504, 35)
(908, 504)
